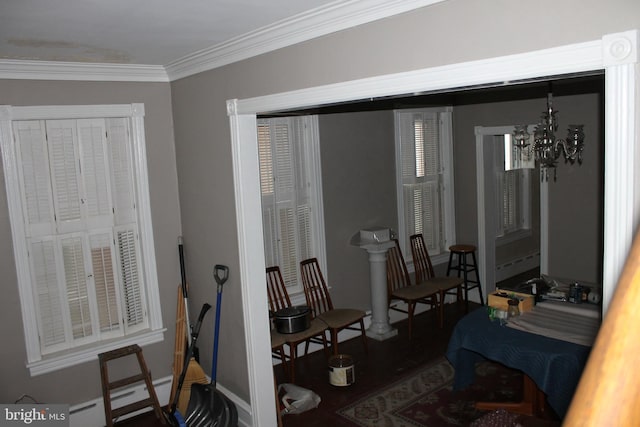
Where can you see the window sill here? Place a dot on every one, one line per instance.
(74, 357)
(513, 237)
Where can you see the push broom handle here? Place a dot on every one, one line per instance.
(221, 274)
(183, 276)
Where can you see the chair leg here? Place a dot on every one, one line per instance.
(325, 345)
(450, 263)
(475, 266)
(334, 341)
(441, 309)
(466, 284)
(411, 309)
(293, 350)
(283, 359)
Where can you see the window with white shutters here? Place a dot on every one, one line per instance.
(513, 189)
(75, 219)
(425, 178)
(514, 201)
(291, 195)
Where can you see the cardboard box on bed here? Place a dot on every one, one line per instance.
(499, 299)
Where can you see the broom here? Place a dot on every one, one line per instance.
(191, 372)
(194, 373)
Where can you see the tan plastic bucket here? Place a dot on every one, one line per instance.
(341, 370)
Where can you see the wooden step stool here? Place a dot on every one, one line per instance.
(144, 375)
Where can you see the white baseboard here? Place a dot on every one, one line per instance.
(517, 266)
(91, 413)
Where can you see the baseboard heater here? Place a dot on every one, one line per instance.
(91, 413)
(516, 266)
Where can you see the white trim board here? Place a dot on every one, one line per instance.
(617, 54)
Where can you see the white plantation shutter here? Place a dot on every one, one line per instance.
(130, 278)
(290, 200)
(513, 201)
(49, 296)
(424, 177)
(96, 192)
(65, 170)
(75, 277)
(34, 176)
(82, 230)
(121, 170)
(77, 183)
(267, 190)
(419, 135)
(105, 282)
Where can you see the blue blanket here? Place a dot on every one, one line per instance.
(554, 365)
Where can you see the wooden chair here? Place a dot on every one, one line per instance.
(424, 271)
(319, 299)
(399, 287)
(279, 299)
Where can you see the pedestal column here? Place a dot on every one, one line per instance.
(380, 328)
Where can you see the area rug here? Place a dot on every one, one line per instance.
(426, 398)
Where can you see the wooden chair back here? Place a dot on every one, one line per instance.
(277, 290)
(397, 273)
(421, 260)
(315, 287)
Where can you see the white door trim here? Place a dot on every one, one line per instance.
(617, 54)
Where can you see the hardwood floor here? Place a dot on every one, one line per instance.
(385, 362)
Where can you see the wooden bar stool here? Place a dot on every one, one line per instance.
(465, 266)
(144, 375)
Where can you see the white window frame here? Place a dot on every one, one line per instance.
(309, 151)
(36, 362)
(446, 189)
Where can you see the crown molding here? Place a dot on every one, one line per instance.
(318, 22)
(58, 70)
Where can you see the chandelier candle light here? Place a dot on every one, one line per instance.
(545, 145)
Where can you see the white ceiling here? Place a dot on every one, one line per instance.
(151, 32)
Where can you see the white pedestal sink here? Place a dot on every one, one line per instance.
(380, 328)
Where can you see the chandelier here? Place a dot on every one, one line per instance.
(546, 147)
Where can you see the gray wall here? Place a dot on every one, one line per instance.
(575, 199)
(358, 186)
(82, 382)
(446, 33)
(358, 169)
